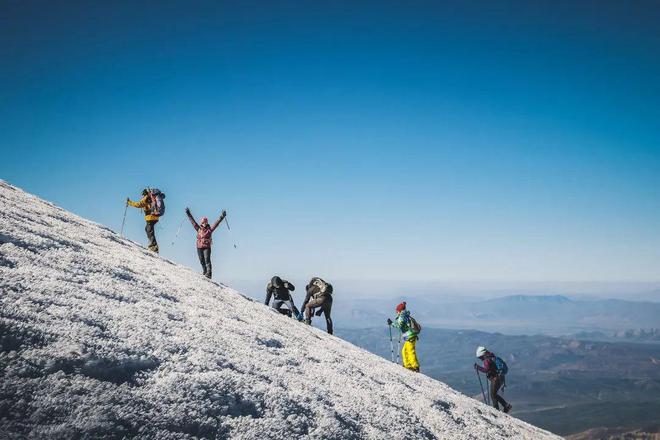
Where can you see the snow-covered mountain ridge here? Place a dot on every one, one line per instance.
(101, 338)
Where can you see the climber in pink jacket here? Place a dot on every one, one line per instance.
(204, 240)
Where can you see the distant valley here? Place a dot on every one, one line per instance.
(566, 385)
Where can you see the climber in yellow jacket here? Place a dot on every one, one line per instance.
(154, 207)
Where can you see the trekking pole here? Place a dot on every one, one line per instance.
(177, 233)
(229, 229)
(398, 347)
(391, 342)
(481, 385)
(121, 233)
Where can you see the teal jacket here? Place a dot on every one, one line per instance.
(402, 322)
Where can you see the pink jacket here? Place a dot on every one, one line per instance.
(204, 233)
(489, 365)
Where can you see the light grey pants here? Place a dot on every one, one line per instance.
(278, 303)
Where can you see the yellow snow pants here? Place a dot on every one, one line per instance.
(409, 355)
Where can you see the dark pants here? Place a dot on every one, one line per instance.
(151, 235)
(324, 303)
(495, 385)
(205, 258)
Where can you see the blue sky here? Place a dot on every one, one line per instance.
(380, 140)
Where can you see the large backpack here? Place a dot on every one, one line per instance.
(500, 366)
(157, 202)
(322, 287)
(414, 326)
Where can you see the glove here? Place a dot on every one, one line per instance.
(188, 211)
(475, 365)
(389, 321)
(224, 214)
(128, 199)
(318, 312)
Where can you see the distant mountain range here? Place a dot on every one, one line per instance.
(631, 335)
(517, 314)
(533, 299)
(651, 334)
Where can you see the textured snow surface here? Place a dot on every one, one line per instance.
(101, 338)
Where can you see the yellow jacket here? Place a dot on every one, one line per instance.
(145, 204)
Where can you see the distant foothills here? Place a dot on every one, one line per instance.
(567, 385)
(588, 368)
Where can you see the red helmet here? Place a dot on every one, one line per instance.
(401, 307)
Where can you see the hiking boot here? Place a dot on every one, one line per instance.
(507, 408)
(153, 249)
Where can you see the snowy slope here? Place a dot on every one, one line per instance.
(100, 337)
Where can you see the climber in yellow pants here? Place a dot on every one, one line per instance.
(409, 329)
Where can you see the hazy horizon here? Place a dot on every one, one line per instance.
(634, 291)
